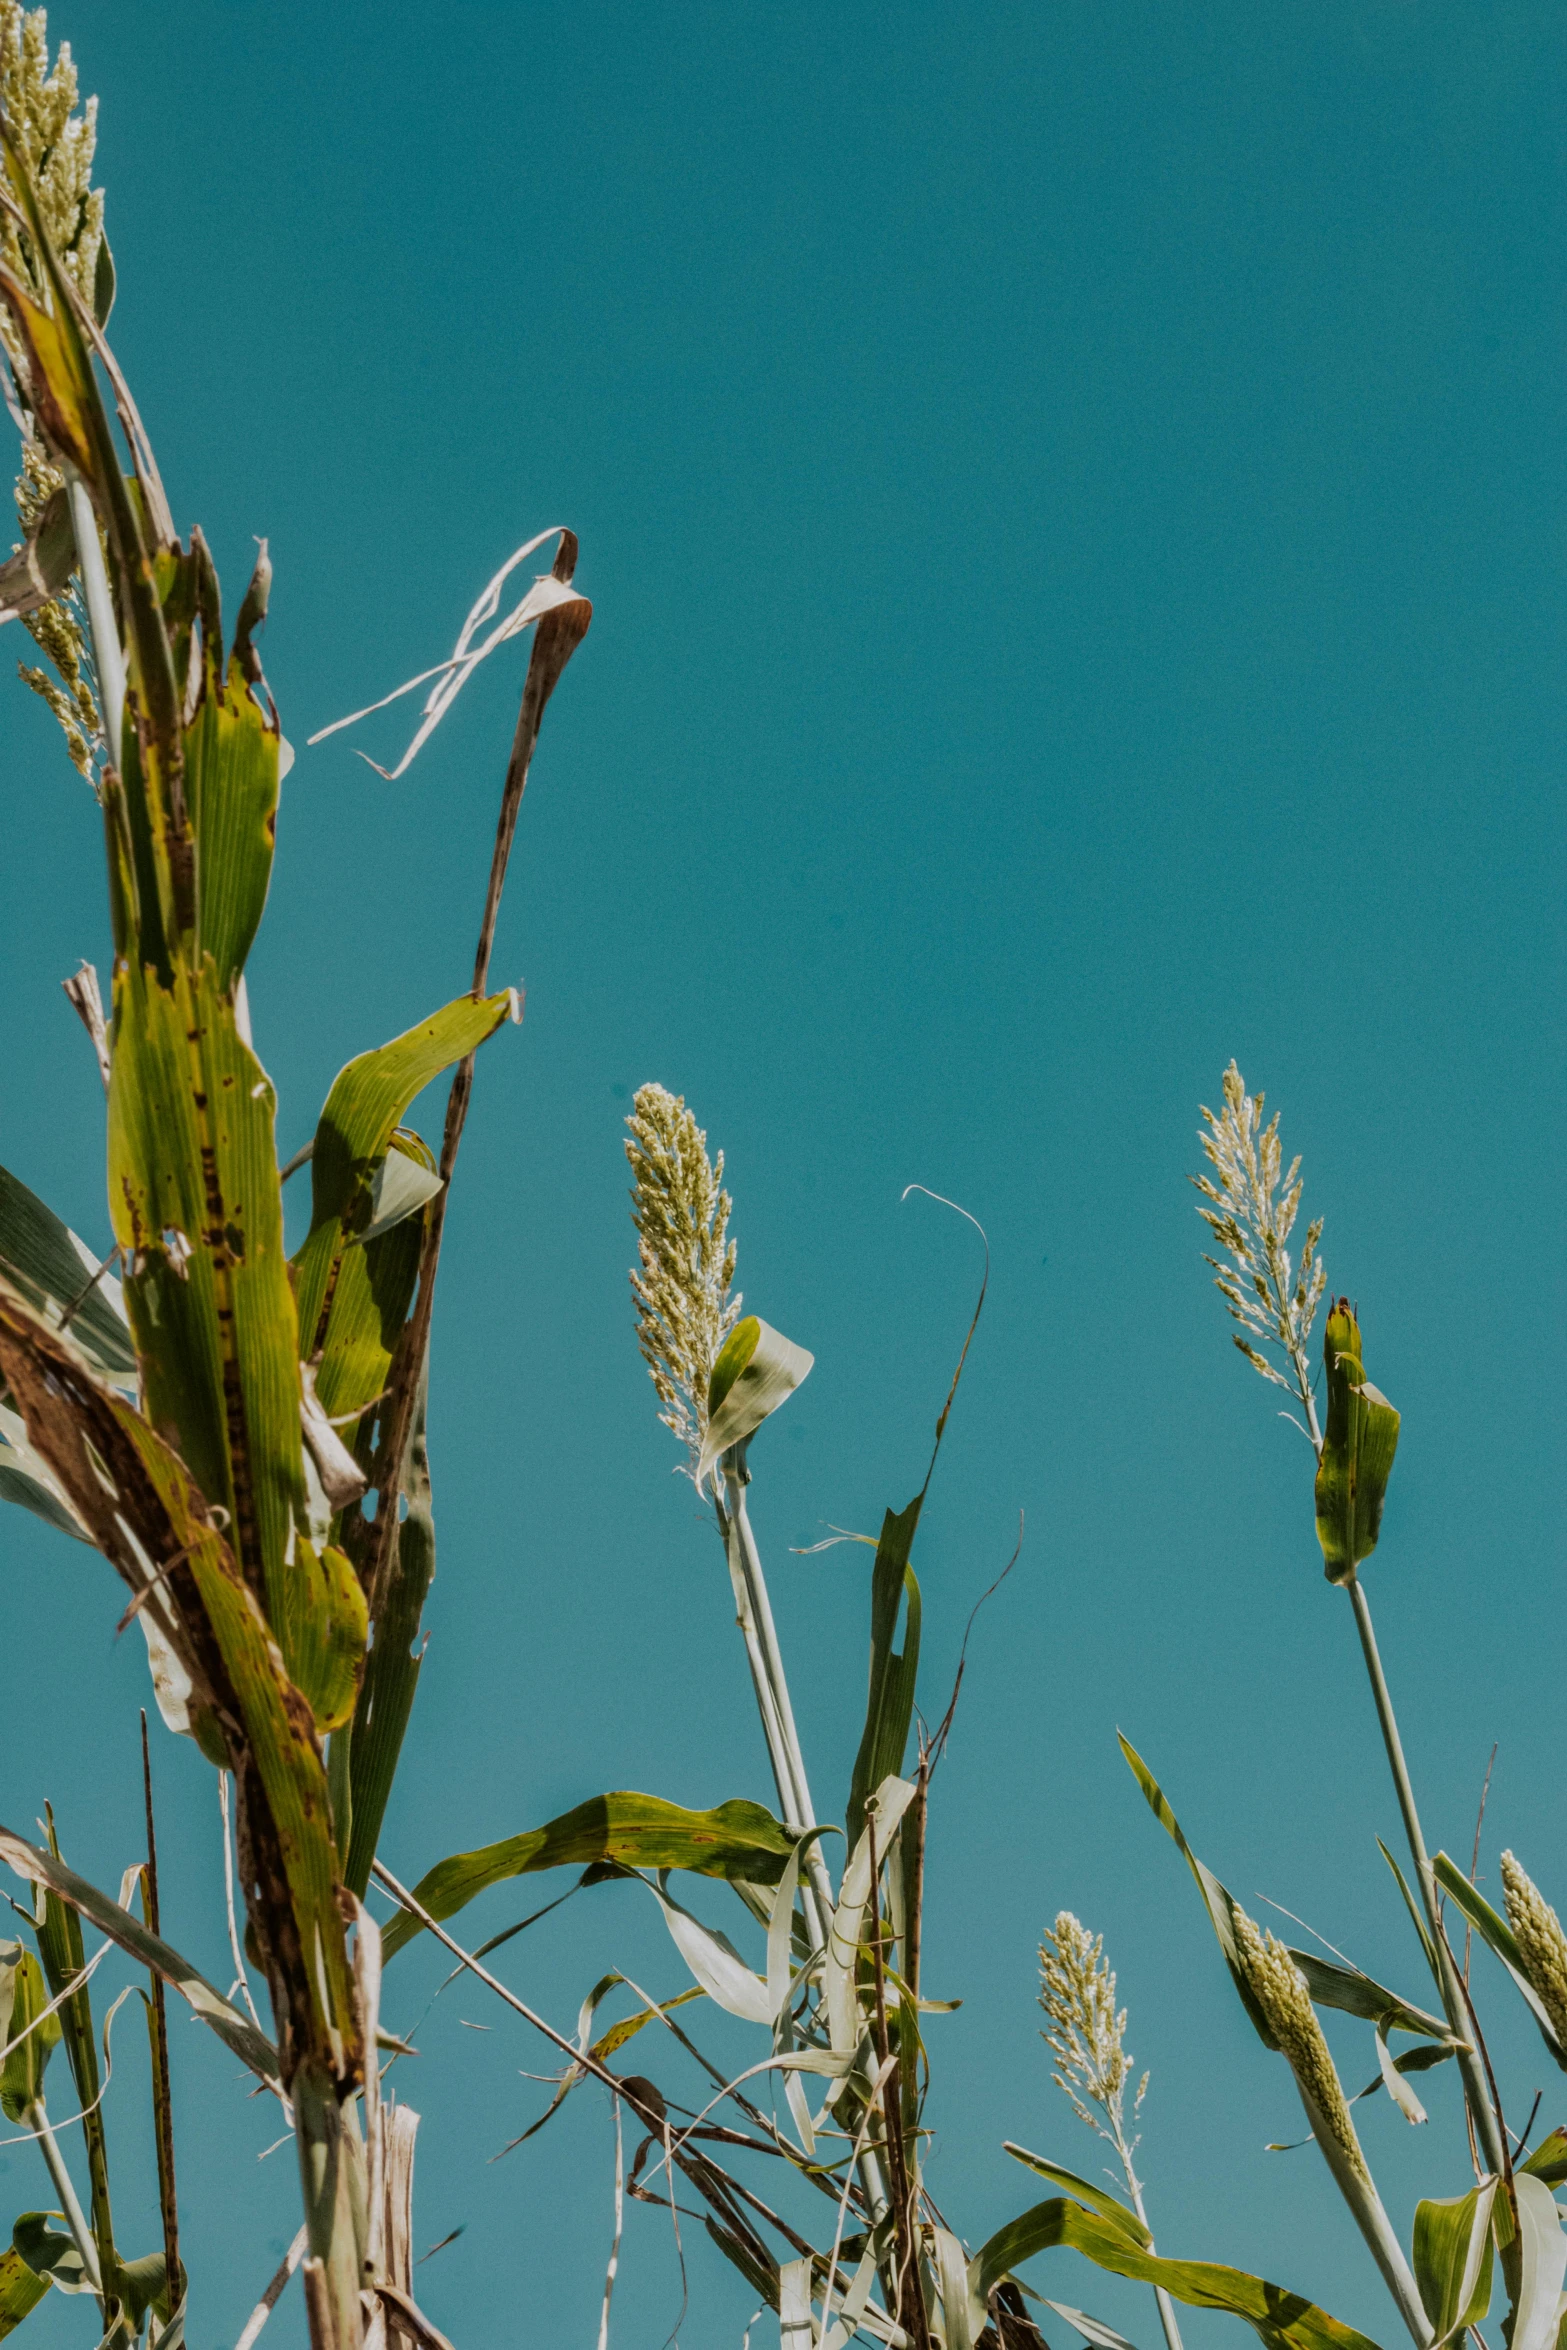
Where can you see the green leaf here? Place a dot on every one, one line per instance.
(739, 1839)
(392, 1668)
(1549, 2159)
(23, 1996)
(40, 1867)
(1282, 2320)
(143, 2285)
(1543, 2264)
(136, 1499)
(376, 1278)
(59, 1931)
(1098, 2199)
(25, 1479)
(323, 1632)
(893, 1673)
(50, 2256)
(1495, 1930)
(195, 1198)
(21, 2290)
(1357, 1452)
(840, 1974)
(231, 779)
(405, 1181)
(1217, 1900)
(43, 1258)
(1415, 1918)
(1092, 2329)
(1355, 1993)
(1393, 2079)
(1452, 2259)
(367, 1102)
(757, 1370)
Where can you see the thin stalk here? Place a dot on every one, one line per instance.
(75, 2218)
(64, 1960)
(626, 2087)
(1172, 2332)
(108, 661)
(1475, 2091)
(553, 645)
(783, 1741)
(901, 2278)
(163, 2111)
(772, 1691)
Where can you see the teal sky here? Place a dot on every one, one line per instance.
(1073, 500)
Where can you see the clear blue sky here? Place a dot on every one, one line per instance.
(1073, 498)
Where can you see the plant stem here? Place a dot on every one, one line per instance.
(1366, 2208)
(108, 661)
(772, 1687)
(555, 639)
(332, 2176)
(1172, 2332)
(163, 2112)
(75, 2217)
(1477, 2097)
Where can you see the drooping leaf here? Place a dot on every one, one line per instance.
(1394, 2081)
(1098, 2199)
(21, 2290)
(1357, 1451)
(23, 1997)
(1452, 2259)
(716, 1965)
(25, 1479)
(405, 1181)
(1543, 2264)
(40, 1867)
(48, 2252)
(1356, 1993)
(145, 1515)
(739, 1839)
(43, 1258)
(1282, 2320)
(1092, 2329)
(143, 2285)
(757, 1370)
(367, 1102)
(1216, 1897)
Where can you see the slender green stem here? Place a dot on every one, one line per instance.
(108, 661)
(772, 1692)
(771, 1684)
(1482, 2112)
(1172, 2332)
(70, 2204)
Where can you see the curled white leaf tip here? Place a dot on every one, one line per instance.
(545, 595)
